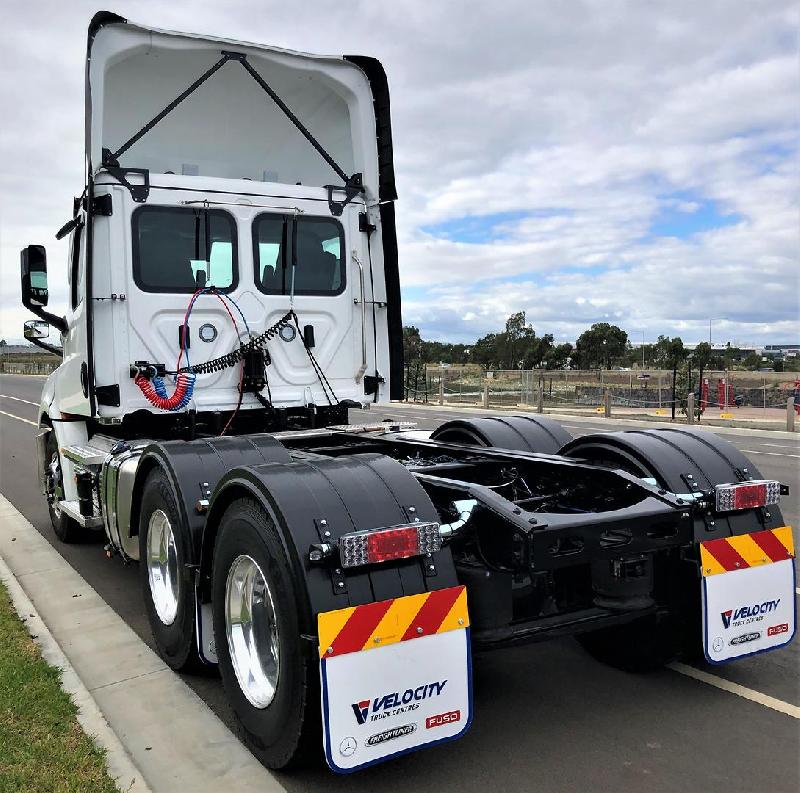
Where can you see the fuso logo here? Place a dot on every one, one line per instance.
(361, 709)
(776, 629)
(441, 719)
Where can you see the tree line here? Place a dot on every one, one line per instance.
(602, 346)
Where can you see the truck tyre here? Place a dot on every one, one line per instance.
(270, 677)
(169, 597)
(66, 529)
(644, 645)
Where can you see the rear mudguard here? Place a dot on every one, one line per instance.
(522, 433)
(314, 495)
(194, 468)
(682, 461)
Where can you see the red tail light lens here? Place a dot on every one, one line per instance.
(747, 495)
(383, 545)
(392, 544)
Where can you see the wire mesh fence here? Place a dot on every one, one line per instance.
(642, 391)
(28, 367)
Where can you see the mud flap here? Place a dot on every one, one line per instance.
(396, 677)
(749, 603)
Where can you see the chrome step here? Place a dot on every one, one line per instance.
(84, 455)
(72, 510)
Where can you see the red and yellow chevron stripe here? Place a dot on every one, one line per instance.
(747, 550)
(390, 621)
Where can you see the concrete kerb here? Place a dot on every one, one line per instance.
(157, 733)
(598, 417)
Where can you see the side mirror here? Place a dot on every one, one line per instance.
(36, 329)
(33, 269)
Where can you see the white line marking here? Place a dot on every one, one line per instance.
(777, 445)
(740, 691)
(18, 399)
(18, 418)
(770, 454)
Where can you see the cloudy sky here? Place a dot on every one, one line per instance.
(582, 160)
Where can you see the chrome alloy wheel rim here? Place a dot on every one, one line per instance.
(252, 631)
(162, 567)
(55, 490)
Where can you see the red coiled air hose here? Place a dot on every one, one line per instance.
(183, 389)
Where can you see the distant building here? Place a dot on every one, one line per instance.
(782, 350)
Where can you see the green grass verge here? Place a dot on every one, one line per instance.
(42, 746)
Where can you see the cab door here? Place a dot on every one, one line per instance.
(306, 261)
(72, 384)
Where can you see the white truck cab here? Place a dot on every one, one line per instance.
(260, 176)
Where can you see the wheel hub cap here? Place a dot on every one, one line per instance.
(162, 567)
(252, 631)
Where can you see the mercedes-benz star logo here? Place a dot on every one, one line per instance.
(347, 746)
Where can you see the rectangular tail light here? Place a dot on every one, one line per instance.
(747, 495)
(384, 545)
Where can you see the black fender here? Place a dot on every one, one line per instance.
(195, 467)
(681, 460)
(353, 493)
(519, 433)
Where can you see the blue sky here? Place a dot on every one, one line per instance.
(597, 160)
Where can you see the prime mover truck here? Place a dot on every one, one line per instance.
(233, 294)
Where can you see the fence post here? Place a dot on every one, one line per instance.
(441, 389)
(607, 403)
(486, 394)
(540, 400)
(690, 408)
(790, 414)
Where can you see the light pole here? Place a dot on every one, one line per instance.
(642, 349)
(710, 320)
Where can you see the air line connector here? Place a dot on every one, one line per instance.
(319, 552)
(145, 369)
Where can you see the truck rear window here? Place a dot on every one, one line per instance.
(169, 249)
(318, 245)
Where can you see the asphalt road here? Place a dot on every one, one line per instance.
(547, 717)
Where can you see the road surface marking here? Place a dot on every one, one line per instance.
(770, 454)
(740, 691)
(18, 399)
(777, 445)
(18, 418)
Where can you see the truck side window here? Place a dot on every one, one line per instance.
(169, 249)
(74, 267)
(318, 245)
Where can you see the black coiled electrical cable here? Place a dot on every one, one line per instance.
(232, 358)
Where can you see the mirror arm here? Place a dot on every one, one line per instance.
(49, 347)
(59, 323)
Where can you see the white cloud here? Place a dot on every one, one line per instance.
(590, 118)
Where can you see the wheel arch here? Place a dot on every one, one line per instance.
(352, 493)
(681, 460)
(193, 469)
(524, 433)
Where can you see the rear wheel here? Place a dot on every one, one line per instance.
(66, 529)
(676, 459)
(168, 595)
(259, 617)
(645, 645)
